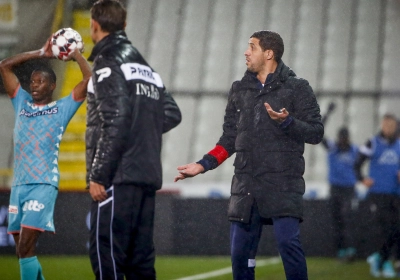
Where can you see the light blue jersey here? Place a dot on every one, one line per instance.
(37, 135)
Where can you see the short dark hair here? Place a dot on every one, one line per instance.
(48, 70)
(343, 132)
(110, 14)
(389, 116)
(270, 40)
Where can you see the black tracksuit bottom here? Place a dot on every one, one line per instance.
(121, 234)
(385, 210)
(342, 215)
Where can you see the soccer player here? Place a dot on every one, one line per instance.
(270, 115)
(128, 111)
(342, 179)
(383, 151)
(40, 123)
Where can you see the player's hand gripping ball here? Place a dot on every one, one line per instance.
(65, 41)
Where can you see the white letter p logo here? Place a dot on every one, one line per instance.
(103, 73)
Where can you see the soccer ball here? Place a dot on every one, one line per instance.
(65, 41)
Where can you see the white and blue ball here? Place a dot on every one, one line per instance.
(64, 41)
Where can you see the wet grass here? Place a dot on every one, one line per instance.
(168, 268)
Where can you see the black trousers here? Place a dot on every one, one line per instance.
(342, 214)
(121, 234)
(385, 210)
(244, 240)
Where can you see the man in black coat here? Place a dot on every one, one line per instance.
(270, 115)
(128, 110)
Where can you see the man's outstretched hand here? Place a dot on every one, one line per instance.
(188, 170)
(280, 116)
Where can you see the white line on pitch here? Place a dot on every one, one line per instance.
(228, 270)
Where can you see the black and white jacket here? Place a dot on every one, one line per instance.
(128, 110)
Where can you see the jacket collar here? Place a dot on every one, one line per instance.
(281, 74)
(110, 39)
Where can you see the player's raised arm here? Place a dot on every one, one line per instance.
(80, 89)
(10, 80)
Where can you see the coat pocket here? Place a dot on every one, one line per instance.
(240, 183)
(240, 208)
(240, 161)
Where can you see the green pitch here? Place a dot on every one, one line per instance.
(78, 268)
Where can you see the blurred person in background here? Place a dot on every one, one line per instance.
(39, 126)
(128, 110)
(383, 152)
(270, 115)
(342, 155)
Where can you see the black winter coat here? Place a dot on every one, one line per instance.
(269, 163)
(128, 109)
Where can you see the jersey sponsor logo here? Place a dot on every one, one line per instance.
(103, 73)
(12, 209)
(32, 205)
(28, 114)
(136, 71)
(150, 91)
(389, 157)
(346, 158)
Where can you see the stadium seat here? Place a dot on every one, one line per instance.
(389, 104)
(218, 59)
(336, 47)
(309, 171)
(306, 50)
(140, 15)
(193, 38)
(162, 46)
(316, 162)
(366, 46)
(391, 55)
(362, 119)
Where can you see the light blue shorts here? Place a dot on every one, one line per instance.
(32, 206)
